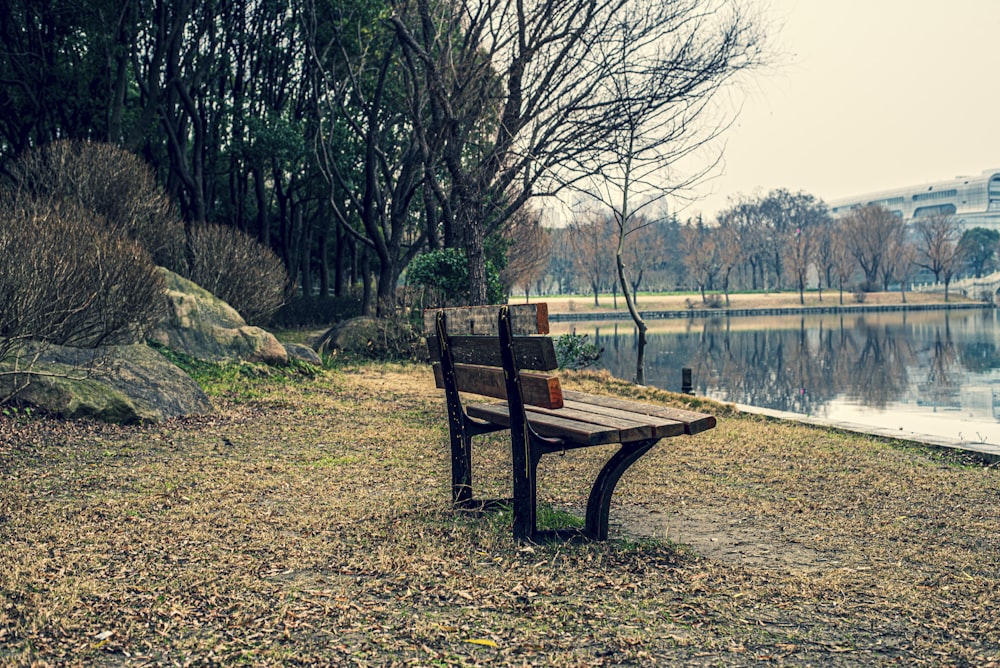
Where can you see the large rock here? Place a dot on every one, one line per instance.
(122, 384)
(372, 337)
(203, 326)
(302, 353)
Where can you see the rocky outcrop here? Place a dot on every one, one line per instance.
(203, 326)
(121, 384)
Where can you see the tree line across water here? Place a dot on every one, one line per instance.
(778, 241)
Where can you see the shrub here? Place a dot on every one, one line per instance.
(574, 351)
(238, 269)
(713, 301)
(113, 183)
(65, 280)
(445, 273)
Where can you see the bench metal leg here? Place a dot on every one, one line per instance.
(599, 503)
(462, 431)
(525, 473)
(461, 460)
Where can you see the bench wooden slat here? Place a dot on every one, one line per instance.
(578, 433)
(694, 423)
(661, 427)
(535, 353)
(629, 429)
(539, 389)
(525, 319)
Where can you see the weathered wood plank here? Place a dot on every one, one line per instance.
(628, 429)
(580, 434)
(536, 353)
(525, 319)
(694, 423)
(538, 389)
(661, 427)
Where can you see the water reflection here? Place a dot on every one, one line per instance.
(817, 365)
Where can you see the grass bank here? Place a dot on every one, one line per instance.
(307, 522)
(738, 300)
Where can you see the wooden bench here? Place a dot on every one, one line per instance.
(502, 352)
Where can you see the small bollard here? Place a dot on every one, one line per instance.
(686, 386)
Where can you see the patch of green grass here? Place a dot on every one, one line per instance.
(333, 462)
(238, 379)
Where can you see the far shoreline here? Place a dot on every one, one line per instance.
(578, 308)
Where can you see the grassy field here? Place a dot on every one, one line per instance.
(307, 522)
(741, 300)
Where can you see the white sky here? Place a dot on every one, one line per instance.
(866, 95)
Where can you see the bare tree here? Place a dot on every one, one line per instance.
(825, 256)
(799, 253)
(661, 64)
(750, 224)
(906, 265)
(895, 255)
(529, 251)
(730, 254)
(939, 250)
(644, 251)
(701, 256)
(870, 232)
(842, 259)
(593, 241)
(546, 77)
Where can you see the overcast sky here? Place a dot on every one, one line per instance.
(867, 95)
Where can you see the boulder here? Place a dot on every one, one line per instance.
(372, 337)
(302, 353)
(201, 325)
(121, 384)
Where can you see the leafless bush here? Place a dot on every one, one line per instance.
(234, 267)
(65, 280)
(111, 182)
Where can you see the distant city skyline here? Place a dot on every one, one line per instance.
(865, 96)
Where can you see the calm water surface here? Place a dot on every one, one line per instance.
(935, 372)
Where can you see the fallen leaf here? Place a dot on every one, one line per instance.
(483, 642)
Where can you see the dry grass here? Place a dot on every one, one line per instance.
(308, 523)
(789, 299)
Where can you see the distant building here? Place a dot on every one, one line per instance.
(974, 200)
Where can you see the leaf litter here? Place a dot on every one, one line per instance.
(310, 524)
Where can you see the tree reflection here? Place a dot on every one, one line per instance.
(943, 380)
(802, 365)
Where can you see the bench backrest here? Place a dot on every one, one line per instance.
(464, 347)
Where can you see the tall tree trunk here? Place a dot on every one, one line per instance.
(338, 263)
(366, 281)
(324, 263)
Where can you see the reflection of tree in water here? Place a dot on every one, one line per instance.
(880, 371)
(978, 356)
(943, 381)
(798, 369)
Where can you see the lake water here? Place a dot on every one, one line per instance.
(931, 372)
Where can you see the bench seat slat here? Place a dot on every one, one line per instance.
(660, 427)
(632, 428)
(693, 422)
(580, 434)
